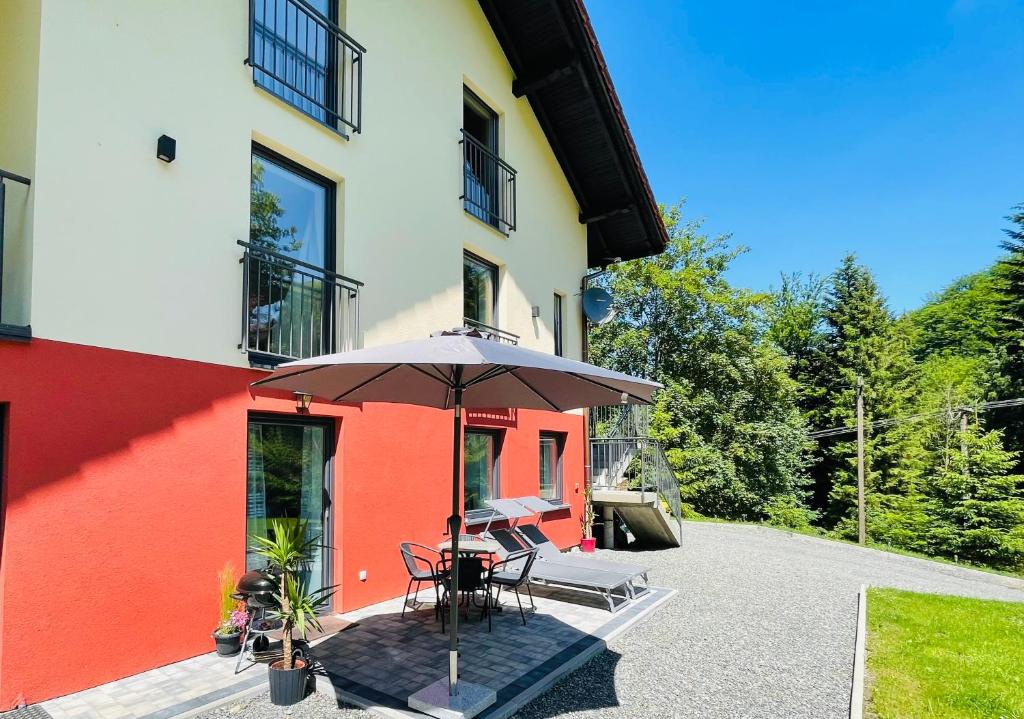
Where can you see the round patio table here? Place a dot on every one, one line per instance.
(472, 546)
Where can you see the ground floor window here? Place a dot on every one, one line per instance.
(551, 466)
(481, 451)
(288, 478)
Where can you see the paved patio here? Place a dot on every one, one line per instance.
(383, 659)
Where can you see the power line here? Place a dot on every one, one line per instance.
(878, 424)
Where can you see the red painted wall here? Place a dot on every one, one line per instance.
(124, 495)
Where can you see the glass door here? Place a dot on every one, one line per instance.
(288, 480)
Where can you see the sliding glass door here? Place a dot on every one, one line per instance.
(288, 479)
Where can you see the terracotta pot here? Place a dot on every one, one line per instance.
(588, 544)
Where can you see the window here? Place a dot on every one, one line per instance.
(488, 187)
(479, 121)
(289, 289)
(551, 466)
(481, 449)
(287, 478)
(557, 326)
(479, 291)
(299, 54)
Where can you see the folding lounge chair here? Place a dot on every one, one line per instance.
(612, 586)
(547, 551)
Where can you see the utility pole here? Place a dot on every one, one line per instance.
(861, 527)
(963, 440)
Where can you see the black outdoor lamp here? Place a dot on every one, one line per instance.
(166, 146)
(302, 401)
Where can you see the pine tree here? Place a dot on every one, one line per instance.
(1010, 271)
(977, 503)
(862, 339)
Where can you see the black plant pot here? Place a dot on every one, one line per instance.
(228, 644)
(288, 686)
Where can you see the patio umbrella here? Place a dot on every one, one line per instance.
(456, 370)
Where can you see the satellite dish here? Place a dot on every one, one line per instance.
(597, 305)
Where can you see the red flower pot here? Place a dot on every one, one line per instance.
(588, 544)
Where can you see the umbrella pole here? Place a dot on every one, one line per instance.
(454, 527)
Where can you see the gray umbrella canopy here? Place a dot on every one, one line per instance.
(452, 371)
(426, 372)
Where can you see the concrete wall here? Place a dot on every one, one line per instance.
(141, 481)
(132, 253)
(19, 60)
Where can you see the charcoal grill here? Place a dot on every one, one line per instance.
(256, 589)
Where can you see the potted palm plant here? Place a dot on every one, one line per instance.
(227, 635)
(587, 520)
(287, 550)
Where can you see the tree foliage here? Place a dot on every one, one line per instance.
(747, 375)
(728, 413)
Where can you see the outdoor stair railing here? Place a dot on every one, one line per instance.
(623, 456)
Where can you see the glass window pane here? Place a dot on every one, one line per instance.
(479, 469)
(558, 325)
(550, 469)
(479, 281)
(288, 216)
(295, 57)
(285, 481)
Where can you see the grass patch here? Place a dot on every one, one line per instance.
(942, 657)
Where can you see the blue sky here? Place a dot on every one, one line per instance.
(891, 129)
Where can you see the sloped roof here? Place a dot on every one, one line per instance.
(554, 54)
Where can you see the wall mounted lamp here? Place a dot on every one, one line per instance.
(302, 401)
(166, 148)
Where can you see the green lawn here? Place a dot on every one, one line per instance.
(941, 657)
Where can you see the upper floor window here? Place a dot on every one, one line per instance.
(298, 53)
(479, 291)
(489, 183)
(296, 305)
(556, 327)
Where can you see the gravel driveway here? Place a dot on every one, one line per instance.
(763, 626)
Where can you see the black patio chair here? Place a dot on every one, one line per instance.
(472, 578)
(511, 572)
(422, 569)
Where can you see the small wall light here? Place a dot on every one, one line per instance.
(535, 310)
(166, 148)
(302, 401)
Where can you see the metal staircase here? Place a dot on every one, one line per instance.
(631, 478)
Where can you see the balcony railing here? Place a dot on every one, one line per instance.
(492, 333)
(488, 185)
(9, 328)
(293, 310)
(306, 60)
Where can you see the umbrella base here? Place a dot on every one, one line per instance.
(433, 699)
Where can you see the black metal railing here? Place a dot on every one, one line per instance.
(306, 60)
(492, 333)
(293, 310)
(488, 185)
(4, 178)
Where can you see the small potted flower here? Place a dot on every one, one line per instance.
(227, 635)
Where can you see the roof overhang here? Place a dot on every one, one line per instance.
(558, 65)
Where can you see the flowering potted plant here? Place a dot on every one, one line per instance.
(232, 619)
(287, 550)
(588, 542)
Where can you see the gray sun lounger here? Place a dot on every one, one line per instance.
(614, 587)
(549, 552)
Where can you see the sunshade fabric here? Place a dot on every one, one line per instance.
(423, 372)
